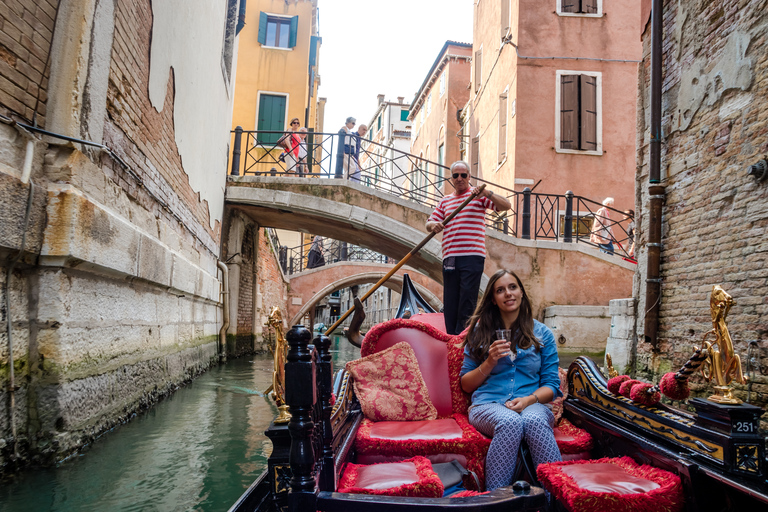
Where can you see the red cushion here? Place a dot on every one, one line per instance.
(437, 458)
(412, 477)
(571, 439)
(445, 428)
(436, 320)
(612, 485)
(389, 386)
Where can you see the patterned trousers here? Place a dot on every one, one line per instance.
(508, 428)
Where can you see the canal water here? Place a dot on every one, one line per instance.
(198, 449)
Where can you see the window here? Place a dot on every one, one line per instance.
(578, 123)
(580, 8)
(478, 68)
(277, 31)
(476, 156)
(442, 83)
(271, 117)
(229, 40)
(429, 103)
(441, 154)
(404, 115)
(505, 23)
(502, 128)
(378, 123)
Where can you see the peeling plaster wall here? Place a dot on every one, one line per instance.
(188, 37)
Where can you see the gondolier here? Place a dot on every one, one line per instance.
(463, 245)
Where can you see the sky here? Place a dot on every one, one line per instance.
(372, 47)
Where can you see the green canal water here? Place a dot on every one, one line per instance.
(198, 449)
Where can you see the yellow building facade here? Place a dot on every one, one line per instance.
(277, 71)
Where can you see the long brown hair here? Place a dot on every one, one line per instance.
(487, 318)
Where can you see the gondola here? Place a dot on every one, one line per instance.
(717, 451)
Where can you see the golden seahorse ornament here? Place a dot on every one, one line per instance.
(279, 353)
(722, 364)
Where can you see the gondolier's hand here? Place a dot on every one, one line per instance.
(435, 227)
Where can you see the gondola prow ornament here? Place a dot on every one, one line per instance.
(722, 364)
(279, 352)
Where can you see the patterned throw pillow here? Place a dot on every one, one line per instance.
(390, 387)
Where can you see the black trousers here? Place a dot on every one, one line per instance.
(460, 288)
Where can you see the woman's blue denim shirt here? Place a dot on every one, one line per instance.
(528, 372)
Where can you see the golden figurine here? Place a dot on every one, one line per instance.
(279, 352)
(609, 366)
(721, 363)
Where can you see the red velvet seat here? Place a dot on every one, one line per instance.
(612, 485)
(440, 357)
(412, 477)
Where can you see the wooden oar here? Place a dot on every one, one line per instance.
(478, 191)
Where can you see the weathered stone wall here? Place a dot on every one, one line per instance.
(115, 300)
(715, 123)
(272, 289)
(26, 31)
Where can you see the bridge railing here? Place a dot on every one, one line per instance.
(567, 217)
(296, 259)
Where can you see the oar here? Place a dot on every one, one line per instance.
(478, 191)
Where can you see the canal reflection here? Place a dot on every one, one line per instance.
(197, 450)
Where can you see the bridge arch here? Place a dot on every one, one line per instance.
(367, 277)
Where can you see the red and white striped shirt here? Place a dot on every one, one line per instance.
(465, 233)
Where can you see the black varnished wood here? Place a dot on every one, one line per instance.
(301, 395)
(325, 385)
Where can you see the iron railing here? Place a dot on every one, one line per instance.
(567, 217)
(295, 259)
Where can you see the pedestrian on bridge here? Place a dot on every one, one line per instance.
(348, 163)
(463, 245)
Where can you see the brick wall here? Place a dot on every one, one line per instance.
(274, 290)
(715, 216)
(26, 30)
(143, 136)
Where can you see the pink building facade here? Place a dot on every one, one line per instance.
(553, 96)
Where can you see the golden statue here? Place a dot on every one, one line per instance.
(280, 353)
(721, 364)
(609, 366)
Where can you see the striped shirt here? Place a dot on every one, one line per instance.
(465, 233)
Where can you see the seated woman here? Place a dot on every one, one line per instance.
(510, 382)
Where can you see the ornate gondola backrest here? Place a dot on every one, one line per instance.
(438, 353)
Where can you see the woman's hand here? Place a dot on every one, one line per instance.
(499, 349)
(520, 403)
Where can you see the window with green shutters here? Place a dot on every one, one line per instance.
(271, 117)
(278, 31)
(404, 115)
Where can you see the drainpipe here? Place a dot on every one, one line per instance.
(240, 18)
(225, 305)
(655, 189)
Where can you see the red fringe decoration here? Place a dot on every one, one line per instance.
(428, 485)
(615, 382)
(645, 394)
(582, 440)
(626, 387)
(467, 494)
(668, 497)
(673, 388)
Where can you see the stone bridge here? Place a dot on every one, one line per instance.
(554, 273)
(310, 286)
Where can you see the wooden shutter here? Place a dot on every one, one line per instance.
(504, 17)
(262, 28)
(478, 69)
(271, 117)
(293, 32)
(502, 128)
(589, 6)
(588, 113)
(569, 5)
(569, 112)
(475, 156)
(313, 42)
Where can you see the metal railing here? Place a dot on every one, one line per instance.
(567, 217)
(296, 259)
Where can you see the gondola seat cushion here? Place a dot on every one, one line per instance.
(574, 443)
(389, 386)
(612, 485)
(413, 477)
(439, 357)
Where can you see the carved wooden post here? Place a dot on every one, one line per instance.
(325, 385)
(568, 235)
(526, 214)
(300, 394)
